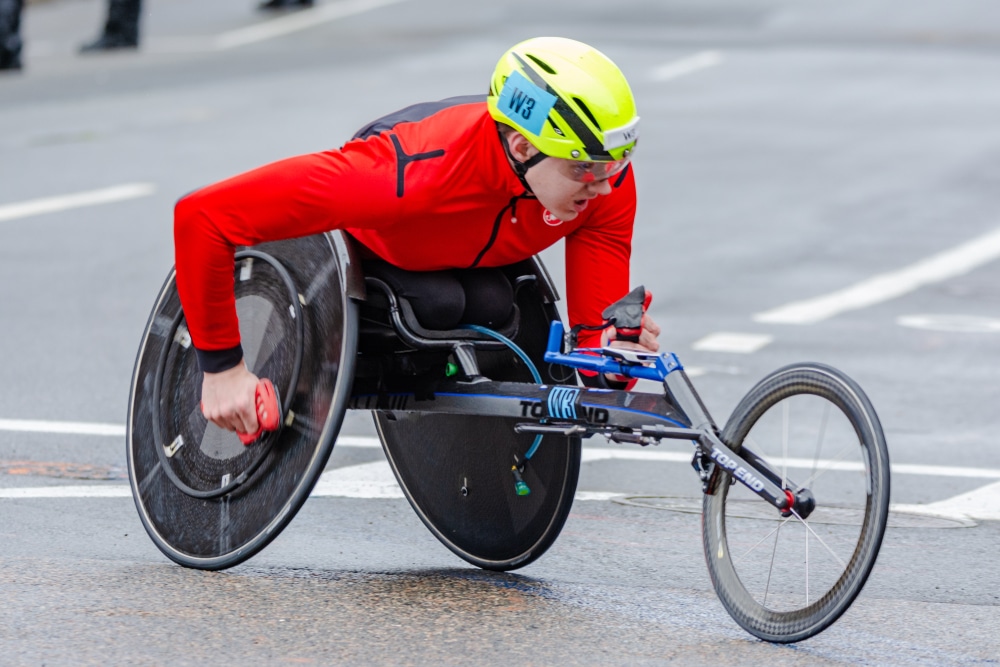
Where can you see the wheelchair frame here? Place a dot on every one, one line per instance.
(458, 399)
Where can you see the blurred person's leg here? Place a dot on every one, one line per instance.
(10, 34)
(285, 4)
(121, 30)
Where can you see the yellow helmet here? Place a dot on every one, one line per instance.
(568, 99)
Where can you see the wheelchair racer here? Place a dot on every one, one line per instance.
(461, 184)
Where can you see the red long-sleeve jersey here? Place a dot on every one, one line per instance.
(427, 188)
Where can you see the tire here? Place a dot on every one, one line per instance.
(205, 500)
(455, 469)
(787, 579)
(455, 472)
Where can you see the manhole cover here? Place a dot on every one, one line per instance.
(833, 515)
(61, 469)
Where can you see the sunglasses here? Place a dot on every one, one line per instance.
(592, 172)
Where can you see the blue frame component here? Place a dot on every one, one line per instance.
(602, 360)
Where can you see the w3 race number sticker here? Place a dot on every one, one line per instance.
(562, 402)
(525, 103)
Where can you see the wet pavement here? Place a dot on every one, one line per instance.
(789, 150)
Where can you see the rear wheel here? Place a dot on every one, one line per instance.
(456, 470)
(206, 500)
(785, 579)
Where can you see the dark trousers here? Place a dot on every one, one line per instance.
(10, 33)
(123, 20)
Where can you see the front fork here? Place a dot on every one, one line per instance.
(714, 456)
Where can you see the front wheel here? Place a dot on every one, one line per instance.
(785, 579)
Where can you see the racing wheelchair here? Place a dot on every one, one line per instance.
(483, 431)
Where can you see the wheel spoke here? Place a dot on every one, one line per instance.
(822, 435)
(784, 444)
(807, 568)
(830, 464)
(761, 541)
(819, 539)
(774, 550)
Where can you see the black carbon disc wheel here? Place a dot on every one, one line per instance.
(455, 469)
(206, 500)
(785, 579)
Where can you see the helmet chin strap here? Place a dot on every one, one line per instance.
(521, 168)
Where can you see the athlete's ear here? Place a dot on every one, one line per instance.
(520, 147)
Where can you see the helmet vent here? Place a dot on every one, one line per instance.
(583, 107)
(541, 63)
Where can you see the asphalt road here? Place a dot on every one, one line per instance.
(790, 151)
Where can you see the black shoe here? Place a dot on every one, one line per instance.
(108, 42)
(10, 61)
(284, 4)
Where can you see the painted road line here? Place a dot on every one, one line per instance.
(684, 66)
(96, 491)
(591, 454)
(950, 323)
(300, 20)
(375, 480)
(737, 343)
(67, 428)
(367, 480)
(886, 286)
(118, 430)
(982, 503)
(359, 441)
(588, 454)
(76, 200)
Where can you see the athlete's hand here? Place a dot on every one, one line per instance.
(647, 337)
(647, 342)
(228, 399)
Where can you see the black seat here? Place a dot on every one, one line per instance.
(428, 310)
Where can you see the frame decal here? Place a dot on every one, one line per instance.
(561, 402)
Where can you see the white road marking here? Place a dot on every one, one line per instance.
(375, 479)
(359, 441)
(982, 503)
(589, 454)
(883, 287)
(76, 200)
(592, 454)
(367, 480)
(96, 491)
(950, 323)
(679, 68)
(68, 428)
(738, 343)
(300, 20)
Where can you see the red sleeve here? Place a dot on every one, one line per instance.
(597, 259)
(309, 194)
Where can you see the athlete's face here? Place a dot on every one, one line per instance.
(565, 187)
